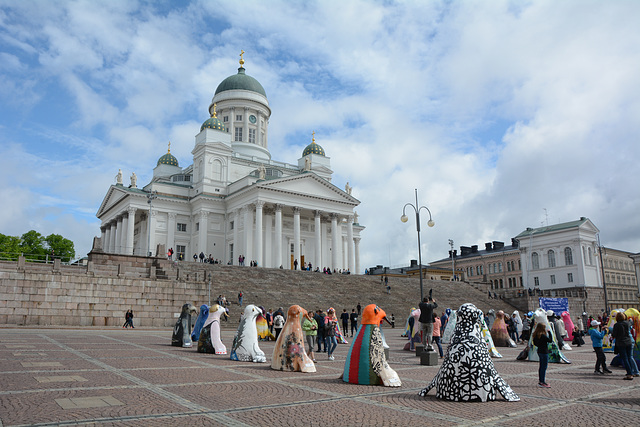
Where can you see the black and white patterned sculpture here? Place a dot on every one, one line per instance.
(467, 372)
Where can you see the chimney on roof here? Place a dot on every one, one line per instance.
(498, 245)
(465, 250)
(455, 253)
(414, 263)
(514, 242)
(487, 246)
(474, 249)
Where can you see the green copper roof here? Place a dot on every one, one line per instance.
(550, 228)
(212, 123)
(241, 81)
(313, 148)
(167, 159)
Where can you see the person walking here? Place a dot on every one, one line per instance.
(240, 296)
(623, 344)
(426, 321)
(330, 322)
(344, 317)
(354, 322)
(128, 319)
(436, 333)
(278, 323)
(310, 328)
(321, 336)
(541, 339)
(596, 342)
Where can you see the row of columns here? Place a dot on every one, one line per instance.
(117, 235)
(253, 250)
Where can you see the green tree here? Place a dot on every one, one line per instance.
(60, 247)
(9, 247)
(33, 245)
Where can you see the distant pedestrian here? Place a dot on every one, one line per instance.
(240, 296)
(393, 321)
(359, 308)
(436, 333)
(344, 317)
(388, 289)
(623, 344)
(321, 334)
(295, 264)
(128, 319)
(542, 339)
(354, 322)
(310, 328)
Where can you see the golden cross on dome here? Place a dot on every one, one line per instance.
(214, 111)
(241, 58)
(169, 149)
(313, 137)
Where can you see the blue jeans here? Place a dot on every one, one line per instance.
(542, 370)
(626, 354)
(331, 345)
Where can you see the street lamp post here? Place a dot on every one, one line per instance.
(430, 223)
(151, 195)
(209, 289)
(453, 262)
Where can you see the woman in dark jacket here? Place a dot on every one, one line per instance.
(541, 339)
(624, 346)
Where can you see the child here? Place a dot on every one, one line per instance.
(542, 339)
(596, 341)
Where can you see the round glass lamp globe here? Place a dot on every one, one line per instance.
(431, 223)
(404, 218)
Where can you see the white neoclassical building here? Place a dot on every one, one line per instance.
(561, 256)
(234, 199)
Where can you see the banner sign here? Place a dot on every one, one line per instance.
(557, 305)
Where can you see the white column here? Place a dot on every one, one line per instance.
(318, 245)
(152, 231)
(245, 131)
(278, 236)
(232, 121)
(171, 232)
(350, 256)
(202, 233)
(268, 239)
(248, 234)
(112, 238)
(326, 245)
(258, 241)
(131, 223)
(356, 244)
(236, 239)
(124, 234)
(118, 241)
(106, 232)
(334, 241)
(296, 235)
(344, 251)
(259, 139)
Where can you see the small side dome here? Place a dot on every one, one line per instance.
(313, 148)
(213, 122)
(168, 159)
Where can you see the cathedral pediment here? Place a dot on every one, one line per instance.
(309, 185)
(114, 196)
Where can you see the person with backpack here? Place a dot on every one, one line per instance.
(278, 323)
(354, 322)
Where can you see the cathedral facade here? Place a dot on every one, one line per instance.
(235, 201)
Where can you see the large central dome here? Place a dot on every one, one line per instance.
(241, 81)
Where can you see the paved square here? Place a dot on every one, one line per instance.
(135, 377)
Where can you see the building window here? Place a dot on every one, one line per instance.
(225, 119)
(551, 255)
(231, 225)
(197, 226)
(536, 282)
(535, 263)
(553, 279)
(238, 117)
(182, 227)
(590, 257)
(508, 266)
(231, 251)
(499, 267)
(252, 136)
(238, 136)
(570, 277)
(568, 256)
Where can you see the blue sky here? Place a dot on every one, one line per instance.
(494, 111)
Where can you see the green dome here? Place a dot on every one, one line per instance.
(213, 123)
(241, 81)
(168, 159)
(313, 148)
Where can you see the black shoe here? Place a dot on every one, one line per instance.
(598, 372)
(606, 371)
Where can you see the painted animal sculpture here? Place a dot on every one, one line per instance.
(245, 343)
(289, 353)
(203, 315)
(499, 332)
(366, 362)
(555, 354)
(467, 372)
(182, 329)
(209, 341)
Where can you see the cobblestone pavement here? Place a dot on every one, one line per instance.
(135, 377)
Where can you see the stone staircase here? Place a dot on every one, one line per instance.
(273, 288)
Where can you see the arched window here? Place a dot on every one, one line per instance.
(217, 170)
(551, 256)
(590, 257)
(568, 256)
(535, 262)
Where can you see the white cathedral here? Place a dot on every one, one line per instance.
(234, 200)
